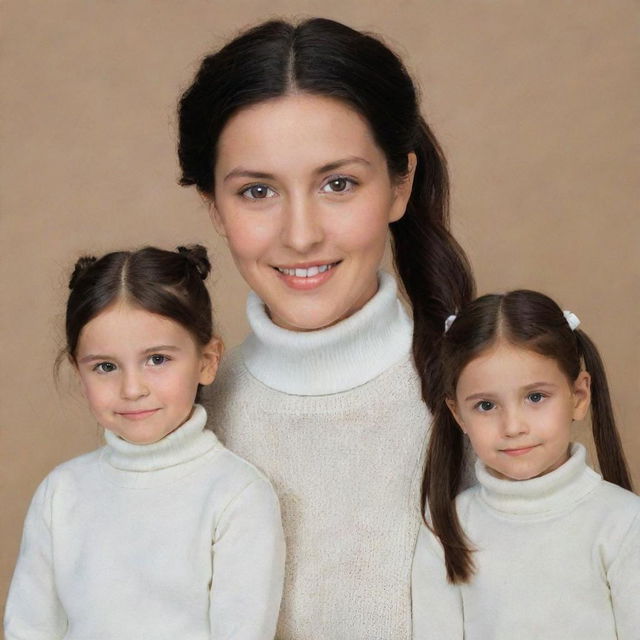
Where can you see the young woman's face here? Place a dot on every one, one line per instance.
(517, 406)
(304, 199)
(140, 371)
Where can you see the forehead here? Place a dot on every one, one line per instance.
(295, 131)
(509, 366)
(122, 324)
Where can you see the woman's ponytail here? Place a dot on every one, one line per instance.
(433, 268)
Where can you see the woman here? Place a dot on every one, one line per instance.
(308, 143)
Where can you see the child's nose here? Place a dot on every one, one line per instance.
(515, 424)
(133, 386)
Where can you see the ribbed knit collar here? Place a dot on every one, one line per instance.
(331, 360)
(553, 492)
(188, 442)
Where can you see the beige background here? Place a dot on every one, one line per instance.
(536, 104)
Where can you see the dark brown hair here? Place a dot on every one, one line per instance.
(169, 283)
(326, 58)
(532, 321)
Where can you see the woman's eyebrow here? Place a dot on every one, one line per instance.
(332, 166)
(241, 172)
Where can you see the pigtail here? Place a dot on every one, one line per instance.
(196, 256)
(83, 264)
(611, 460)
(441, 484)
(433, 268)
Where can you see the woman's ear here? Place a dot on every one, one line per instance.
(453, 407)
(581, 395)
(210, 356)
(402, 189)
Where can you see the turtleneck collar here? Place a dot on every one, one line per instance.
(338, 358)
(554, 492)
(186, 443)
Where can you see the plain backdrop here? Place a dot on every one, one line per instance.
(535, 103)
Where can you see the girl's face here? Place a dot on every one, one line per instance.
(140, 371)
(304, 199)
(517, 406)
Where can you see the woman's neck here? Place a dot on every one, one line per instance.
(331, 360)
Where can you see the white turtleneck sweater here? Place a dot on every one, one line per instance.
(180, 539)
(335, 419)
(558, 559)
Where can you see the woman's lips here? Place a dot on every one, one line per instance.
(136, 415)
(307, 276)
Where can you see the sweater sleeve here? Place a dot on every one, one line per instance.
(33, 610)
(436, 603)
(624, 583)
(248, 566)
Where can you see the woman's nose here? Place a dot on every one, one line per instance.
(302, 226)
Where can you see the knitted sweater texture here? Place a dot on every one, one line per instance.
(558, 557)
(177, 539)
(335, 419)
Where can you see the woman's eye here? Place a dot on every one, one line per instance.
(157, 359)
(485, 405)
(258, 192)
(338, 185)
(105, 367)
(535, 397)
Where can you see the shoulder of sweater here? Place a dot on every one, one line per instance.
(617, 499)
(68, 473)
(239, 471)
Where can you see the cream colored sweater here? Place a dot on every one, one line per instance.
(176, 540)
(335, 419)
(558, 559)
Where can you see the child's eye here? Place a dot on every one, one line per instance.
(536, 397)
(338, 184)
(105, 367)
(484, 406)
(258, 192)
(157, 359)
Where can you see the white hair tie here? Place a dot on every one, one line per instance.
(449, 321)
(572, 319)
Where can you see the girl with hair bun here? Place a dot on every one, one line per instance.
(543, 546)
(308, 143)
(162, 533)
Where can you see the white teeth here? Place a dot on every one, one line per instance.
(306, 273)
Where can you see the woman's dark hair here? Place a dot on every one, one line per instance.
(168, 283)
(532, 321)
(326, 58)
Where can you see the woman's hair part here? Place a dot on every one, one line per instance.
(525, 319)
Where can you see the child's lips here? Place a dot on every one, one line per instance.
(139, 414)
(520, 451)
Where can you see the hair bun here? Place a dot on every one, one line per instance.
(197, 256)
(82, 266)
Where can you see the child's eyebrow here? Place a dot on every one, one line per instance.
(96, 356)
(162, 347)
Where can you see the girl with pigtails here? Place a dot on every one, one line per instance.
(307, 142)
(162, 533)
(543, 546)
